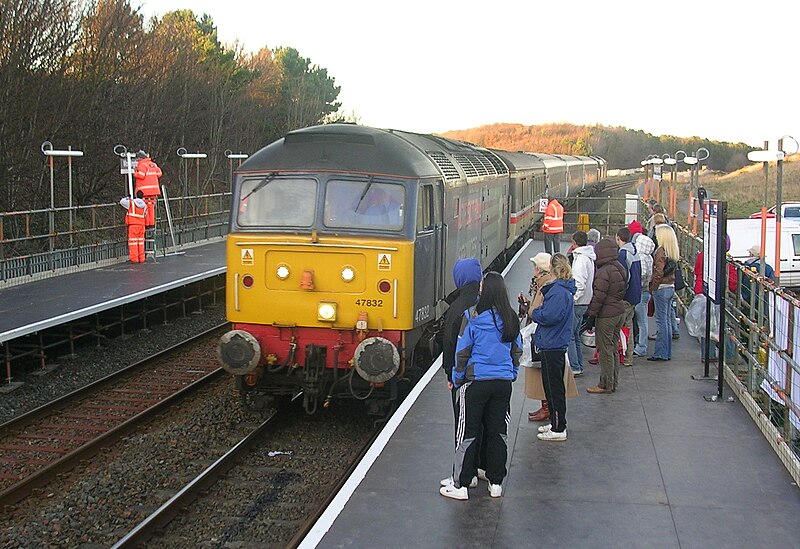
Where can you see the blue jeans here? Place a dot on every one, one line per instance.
(662, 298)
(574, 350)
(641, 321)
(712, 349)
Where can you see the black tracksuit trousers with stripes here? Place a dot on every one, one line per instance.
(482, 404)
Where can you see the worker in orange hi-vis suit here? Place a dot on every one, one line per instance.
(553, 225)
(135, 219)
(147, 173)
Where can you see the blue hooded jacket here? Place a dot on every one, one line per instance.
(630, 260)
(467, 271)
(554, 317)
(480, 352)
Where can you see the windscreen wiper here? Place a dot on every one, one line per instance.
(263, 183)
(364, 193)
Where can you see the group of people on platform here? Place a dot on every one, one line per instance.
(141, 208)
(607, 281)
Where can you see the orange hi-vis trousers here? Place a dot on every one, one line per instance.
(136, 243)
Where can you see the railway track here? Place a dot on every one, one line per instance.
(238, 479)
(50, 440)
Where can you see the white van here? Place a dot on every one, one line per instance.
(745, 233)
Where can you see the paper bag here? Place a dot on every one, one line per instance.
(534, 388)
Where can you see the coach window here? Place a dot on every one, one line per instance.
(425, 209)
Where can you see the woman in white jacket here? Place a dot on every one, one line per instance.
(583, 257)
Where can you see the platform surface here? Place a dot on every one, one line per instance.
(652, 465)
(48, 302)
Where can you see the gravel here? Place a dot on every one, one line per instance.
(92, 363)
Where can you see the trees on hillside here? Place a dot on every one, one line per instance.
(94, 73)
(621, 147)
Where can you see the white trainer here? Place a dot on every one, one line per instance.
(481, 476)
(545, 428)
(496, 490)
(449, 480)
(450, 491)
(553, 435)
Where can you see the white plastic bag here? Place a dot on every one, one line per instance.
(696, 318)
(527, 334)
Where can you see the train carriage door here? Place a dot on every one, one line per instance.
(428, 253)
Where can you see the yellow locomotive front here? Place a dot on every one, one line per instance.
(321, 280)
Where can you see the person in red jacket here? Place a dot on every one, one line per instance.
(147, 173)
(135, 219)
(553, 225)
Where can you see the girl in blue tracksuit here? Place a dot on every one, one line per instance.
(487, 360)
(552, 312)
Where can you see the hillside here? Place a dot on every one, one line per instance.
(621, 147)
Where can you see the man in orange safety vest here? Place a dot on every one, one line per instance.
(147, 173)
(553, 225)
(135, 219)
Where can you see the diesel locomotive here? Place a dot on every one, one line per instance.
(340, 252)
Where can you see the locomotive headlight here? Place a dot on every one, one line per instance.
(348, 273)
(282, 272)
(326, 311)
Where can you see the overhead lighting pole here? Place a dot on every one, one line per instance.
(694, 165)
(766, 156)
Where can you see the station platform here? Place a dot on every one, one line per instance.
(44, 303)
(651, 465)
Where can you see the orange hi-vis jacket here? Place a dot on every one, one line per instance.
(147, 174)
(137, 210)
(553, 218)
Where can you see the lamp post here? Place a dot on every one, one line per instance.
(766, 156)
(694, 165)
(47, 149)
(656, 161)
(645, 164)
(188, 156)
(672, 199)
(234, 156)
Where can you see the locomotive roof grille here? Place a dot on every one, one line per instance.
(470, 168)
(498, 164)
(448, 170)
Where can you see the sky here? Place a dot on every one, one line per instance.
(717, 69)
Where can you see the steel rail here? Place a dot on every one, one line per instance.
(164, 514)
(41, 477)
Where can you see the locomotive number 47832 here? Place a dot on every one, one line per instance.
(369, 302)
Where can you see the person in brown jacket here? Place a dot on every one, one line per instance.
(608, 291)
(662, 287)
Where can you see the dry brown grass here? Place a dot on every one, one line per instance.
(744, 190)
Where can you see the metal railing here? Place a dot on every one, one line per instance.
(94, 235)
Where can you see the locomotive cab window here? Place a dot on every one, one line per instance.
(364, 205)
(425, 209)
(277, 202)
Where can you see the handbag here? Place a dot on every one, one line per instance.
(680, 284)
(536, 356)
(531, 358)
(651, 307)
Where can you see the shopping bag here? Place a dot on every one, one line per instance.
(530, 355)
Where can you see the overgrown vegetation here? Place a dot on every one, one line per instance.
(93, 73)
